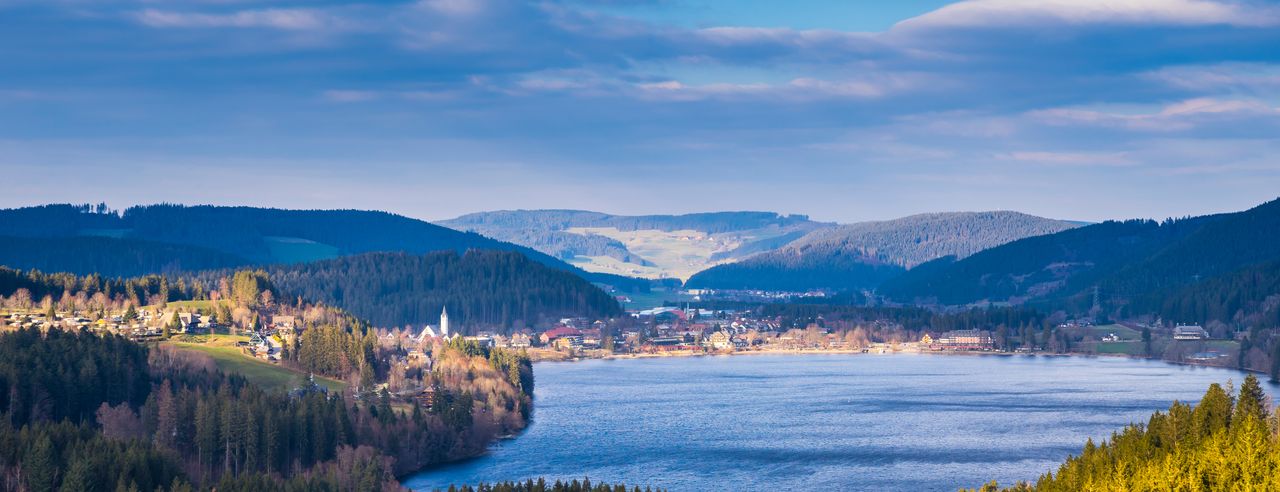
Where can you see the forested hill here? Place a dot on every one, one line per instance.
(480, 288)
(862, 255)
(1124, 263)
(251, 235)
(108, 256)
(652, 246)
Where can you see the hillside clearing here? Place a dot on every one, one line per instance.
(230, 359)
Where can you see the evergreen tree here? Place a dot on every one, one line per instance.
(40, 466)
(1252, 401)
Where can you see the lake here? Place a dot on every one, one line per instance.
(839, 422)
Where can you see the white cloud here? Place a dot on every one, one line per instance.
(1205, 105)
(349, 96)
(283, 19)
(802, 88)
(1247, 77)
(1110, 159)
(1006, 13)
(455, 7)
(1182, 115)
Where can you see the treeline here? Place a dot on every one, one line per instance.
(109, 256)
(541, 485)
(480, 289)
(109, 419)
(1222, 443)
(909, 318)
(65, 291)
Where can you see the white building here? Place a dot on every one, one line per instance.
(1189, 332)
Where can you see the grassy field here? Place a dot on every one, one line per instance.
(652, 299)
(675, 254)
(298, 250)
(1224, 346)
(230, 359)
(1121, 331)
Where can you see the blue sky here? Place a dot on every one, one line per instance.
(843, 110)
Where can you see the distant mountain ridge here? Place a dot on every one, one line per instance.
(250, 234)
(1113, 263)
(862, 255)
(645, 245)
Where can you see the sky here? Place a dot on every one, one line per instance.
(841, 110)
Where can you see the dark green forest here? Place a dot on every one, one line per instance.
(864, 255)
(1128, 263)
(1055, 265)
(109, 256)
(480, 288)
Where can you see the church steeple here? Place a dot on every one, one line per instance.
(444, 322)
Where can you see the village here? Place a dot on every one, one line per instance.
(655, 332)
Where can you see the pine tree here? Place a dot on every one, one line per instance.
(1275, 362)
(40, 465)
(1251, 402)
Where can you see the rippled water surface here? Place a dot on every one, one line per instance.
(835, 422)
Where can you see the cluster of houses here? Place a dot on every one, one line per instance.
(150, 324)
(145, 324)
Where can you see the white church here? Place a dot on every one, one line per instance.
(443, 329)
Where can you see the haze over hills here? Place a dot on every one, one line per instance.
(1113, 263)
(83, 239)
(650, 246)
(862, 255)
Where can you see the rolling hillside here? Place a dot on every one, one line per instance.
(650, 246)
(862, 255)
(251, 235)
(498, 289)
(1124, 262)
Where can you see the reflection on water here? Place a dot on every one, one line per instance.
(842, 422)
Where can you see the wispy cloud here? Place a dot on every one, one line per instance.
(1021, 13)
(1107, 159)
(1079, 90)
(285, 19)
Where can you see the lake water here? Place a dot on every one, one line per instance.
(836, 422)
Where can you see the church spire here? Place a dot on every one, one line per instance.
(444, 322)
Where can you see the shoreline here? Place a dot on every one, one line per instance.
(681, 354)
